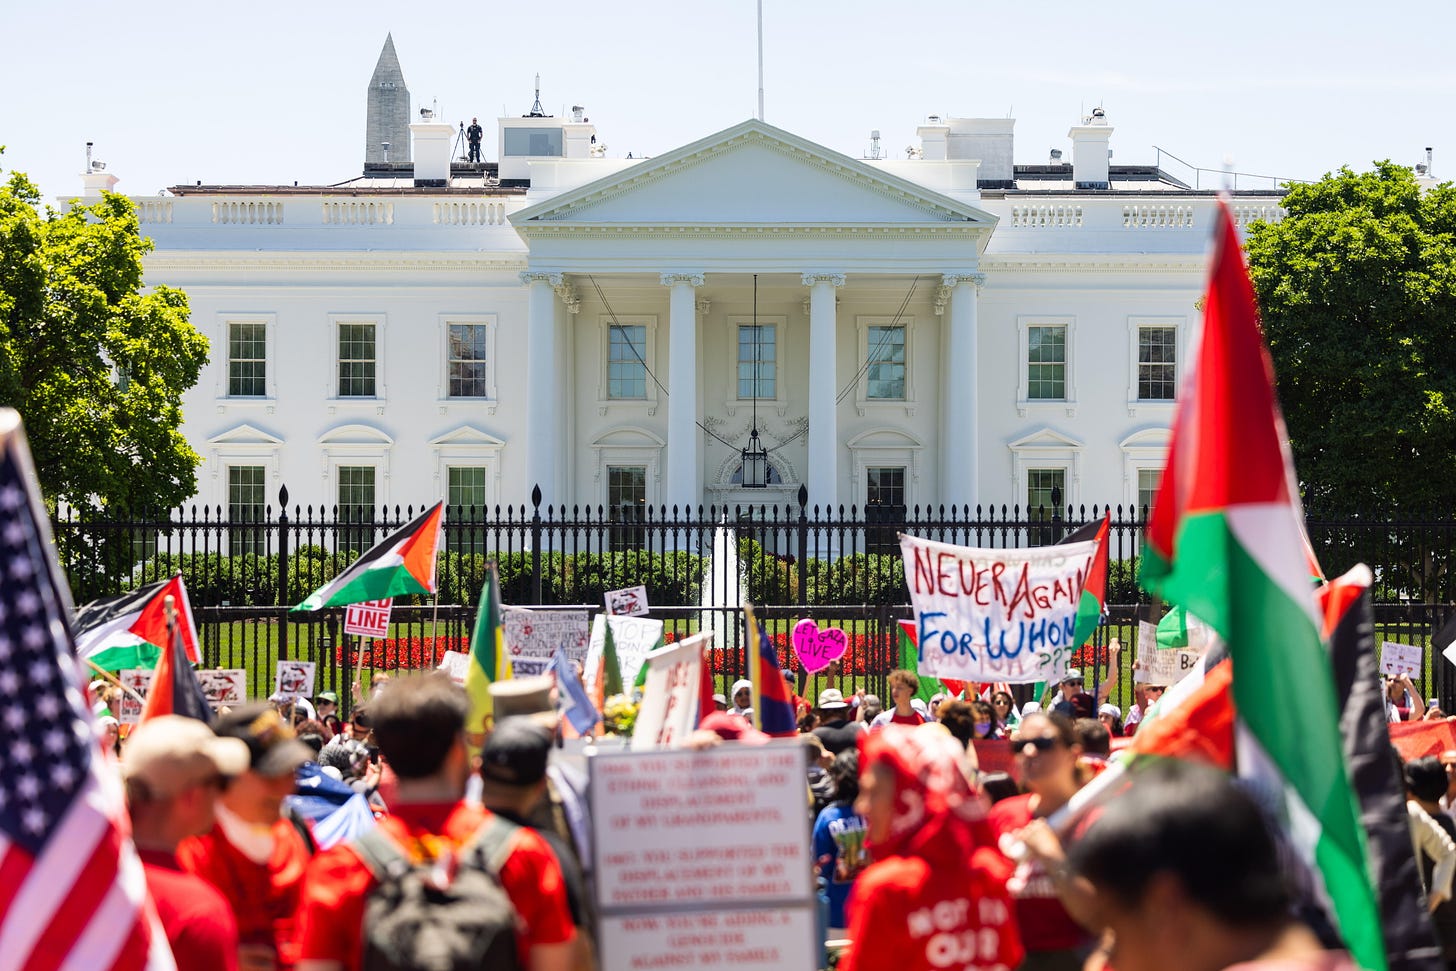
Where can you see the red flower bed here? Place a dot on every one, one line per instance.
(865, 655)
(402, 652)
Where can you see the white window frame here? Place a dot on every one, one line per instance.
(604, 401)
(1134, 326)
(227, 503)
(1046, 449)
(268, 401)
(1026, 406)
(491, 401)
(472, 447)
(331, 393)
(779, 402)
(355, 445)
(1146, 448)
(242, 445)
(629, 445)
(880, 447)
(863, 402)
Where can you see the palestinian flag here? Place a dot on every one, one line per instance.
(910, 660)
(490, 660)
(403, 563)
(1226, 540)
(130, 631)
(175, 689)
(1093, 605)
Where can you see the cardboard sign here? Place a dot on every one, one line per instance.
(1157, 665)
(634, 638)
(534, 635)
(628, 602)
(223, 686)
(368, 619)
(140, 681)
(455, 663)
(702, 858)
(817, 649)
(1401, 659)
(294, 679)
(995, 615)
(669, 710)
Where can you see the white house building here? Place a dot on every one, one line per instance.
(952, 328)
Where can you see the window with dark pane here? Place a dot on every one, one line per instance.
(1157, 363)
(1046, 363)
(757, 361)
(466, 503)
(246, 505)
(356, 361)
(626, 361)
(467, 363)
(885, 370)
(356, 507)
(247, 360)
(626, 505)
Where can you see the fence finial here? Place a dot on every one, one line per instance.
(283, 498)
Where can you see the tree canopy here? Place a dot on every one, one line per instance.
(1357, 290)
(95, 366)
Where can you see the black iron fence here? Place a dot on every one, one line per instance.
(841, 567)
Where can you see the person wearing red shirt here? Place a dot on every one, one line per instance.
(419, 724)
(252, 854)
(174, 769)
(903, 686)
(909, 910)
(1046, 761)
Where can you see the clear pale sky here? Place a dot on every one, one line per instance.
(272, 92)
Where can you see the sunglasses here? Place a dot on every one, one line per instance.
(1042, 743)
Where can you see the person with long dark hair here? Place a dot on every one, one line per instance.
(839, 839)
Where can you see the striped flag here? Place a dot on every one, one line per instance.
(130, 631)
(1093, 602)
(773, 706)
(403, 563)
(72, 890)
(1226, 541)
(175, 689)
(490, 661)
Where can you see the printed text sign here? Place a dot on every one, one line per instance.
(634, 637)
(669, 710)
(995, 615)
(1164, 666)
(368, 619)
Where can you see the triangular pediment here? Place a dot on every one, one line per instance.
(245, 434)
(752, 173)
(468, 436)
(1045, 438)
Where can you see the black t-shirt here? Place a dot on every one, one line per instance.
(838, 735)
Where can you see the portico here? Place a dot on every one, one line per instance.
(643, 329)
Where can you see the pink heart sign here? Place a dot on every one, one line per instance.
(817, 649)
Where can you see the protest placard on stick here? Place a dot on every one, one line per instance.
(634, 637)
(534, 636)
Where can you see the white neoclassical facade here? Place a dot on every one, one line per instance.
(952, 328)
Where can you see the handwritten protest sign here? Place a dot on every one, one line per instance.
(702, 859)
(634, 637)
(368, 619)
(223, 686)
(629, 602)
(817, 649)
(995, 615)
(534, 636)
(140, 681)
(669, 710)
(1155, 665)
(455, 663)
(294, 679)
(1401, 659)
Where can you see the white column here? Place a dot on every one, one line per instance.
(683, 472)
(823, 451)
(543, 437)
(959, 423)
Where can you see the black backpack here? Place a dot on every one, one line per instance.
(413, 924)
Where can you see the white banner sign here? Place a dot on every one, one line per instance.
(1401, 659)
(995, 615)
(669, 710)
(223, 686)
(294, 679)
(702, 858)
(368, 619)
(634, 637)
(140, 681)
(455, 663)
(1164, 666)
(534, 636)
(629, 602)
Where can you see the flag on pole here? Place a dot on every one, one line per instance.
(773, 706)
(576, 706)
(130, 631)
(1093, 603)
(73, 893)
(490, 661)
(1226, 540)
(403, 563)
(610, 675)
(175, 690)
(910, 659)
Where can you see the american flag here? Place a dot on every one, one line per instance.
(72, 890)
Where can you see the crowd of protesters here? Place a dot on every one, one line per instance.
(479, 853)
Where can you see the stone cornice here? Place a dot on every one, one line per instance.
(565, 230)
(355, 263)
(1089, 263)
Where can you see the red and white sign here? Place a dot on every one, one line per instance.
(669, 710)
(368, 619)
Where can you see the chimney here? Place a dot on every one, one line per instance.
(433, 143)
(989, 140)
(96, 179)
(934, 136)
(1090, 152)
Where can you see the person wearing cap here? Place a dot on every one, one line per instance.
(253, 854)
(720, 702)
(742, 698)
(175, 767)
(514, 781)
(1111, 718)
(1074, 702)
(419, 724)
(835, 730)
(326, 703)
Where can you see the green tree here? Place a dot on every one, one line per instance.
(1357, 289)
(96, 366)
